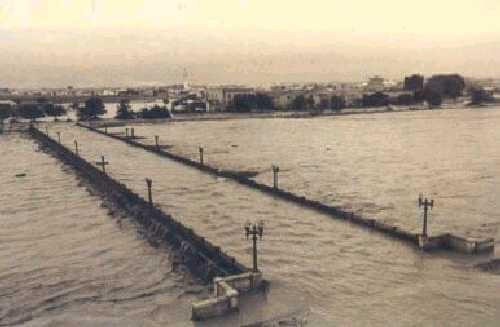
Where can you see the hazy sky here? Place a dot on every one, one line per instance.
(119, 42)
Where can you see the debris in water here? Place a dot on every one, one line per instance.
(21, 175)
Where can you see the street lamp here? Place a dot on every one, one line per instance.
(426, 204)
(254, 230)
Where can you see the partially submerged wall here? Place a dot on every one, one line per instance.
(227, 291)
(332, 211)
(202, 258)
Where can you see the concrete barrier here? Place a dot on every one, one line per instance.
(227, 291)
(454, 243)
(201, 257)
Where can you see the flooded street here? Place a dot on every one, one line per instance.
(335, 272)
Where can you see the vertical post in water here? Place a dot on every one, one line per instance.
(46, 131)
(132, 132)
(76, 147)
(276, 169)
(157, 142)
(149, 183)
(102, 163)
(202, 162)
(126, 131)
(106, 129)
(58, 137)
(254, 230)
(426, 204)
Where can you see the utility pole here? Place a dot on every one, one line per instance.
(102, 163)
(276, 170)
(426, 204)
(149, 183)
(254, 230)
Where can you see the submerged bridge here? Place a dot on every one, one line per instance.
(445, 241)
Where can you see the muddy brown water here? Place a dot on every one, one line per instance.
(339, 274)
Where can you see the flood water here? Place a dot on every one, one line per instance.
(337, 273)
(65, 262)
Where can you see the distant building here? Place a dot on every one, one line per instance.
(447, 85)
(222, 97)
(284, 100)
(375, 84)
(414, 83)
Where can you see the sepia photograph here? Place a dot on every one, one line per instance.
(249, 163)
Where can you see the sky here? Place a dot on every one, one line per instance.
(55, 43)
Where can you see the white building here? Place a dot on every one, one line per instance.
(222, 97)
(375, 84)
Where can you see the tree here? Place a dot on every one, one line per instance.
(30, 111)
(338, 102)
(310, 102)
(434, 99)
(248, 102)
(53, 110)
(324, 104)
(479, 96)
(155, 112)
(5, 111)
(299, 103)
(124, 111)
(93, 108)
(451, 85)
(377, 99)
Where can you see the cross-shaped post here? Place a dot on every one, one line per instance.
(254, 230)
(102, 163)
(426, 204)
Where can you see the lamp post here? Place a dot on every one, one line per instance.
(276, 170)
(149, 183)
(201, 155)
(426, 204)
(254, 230)
(157, 142)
